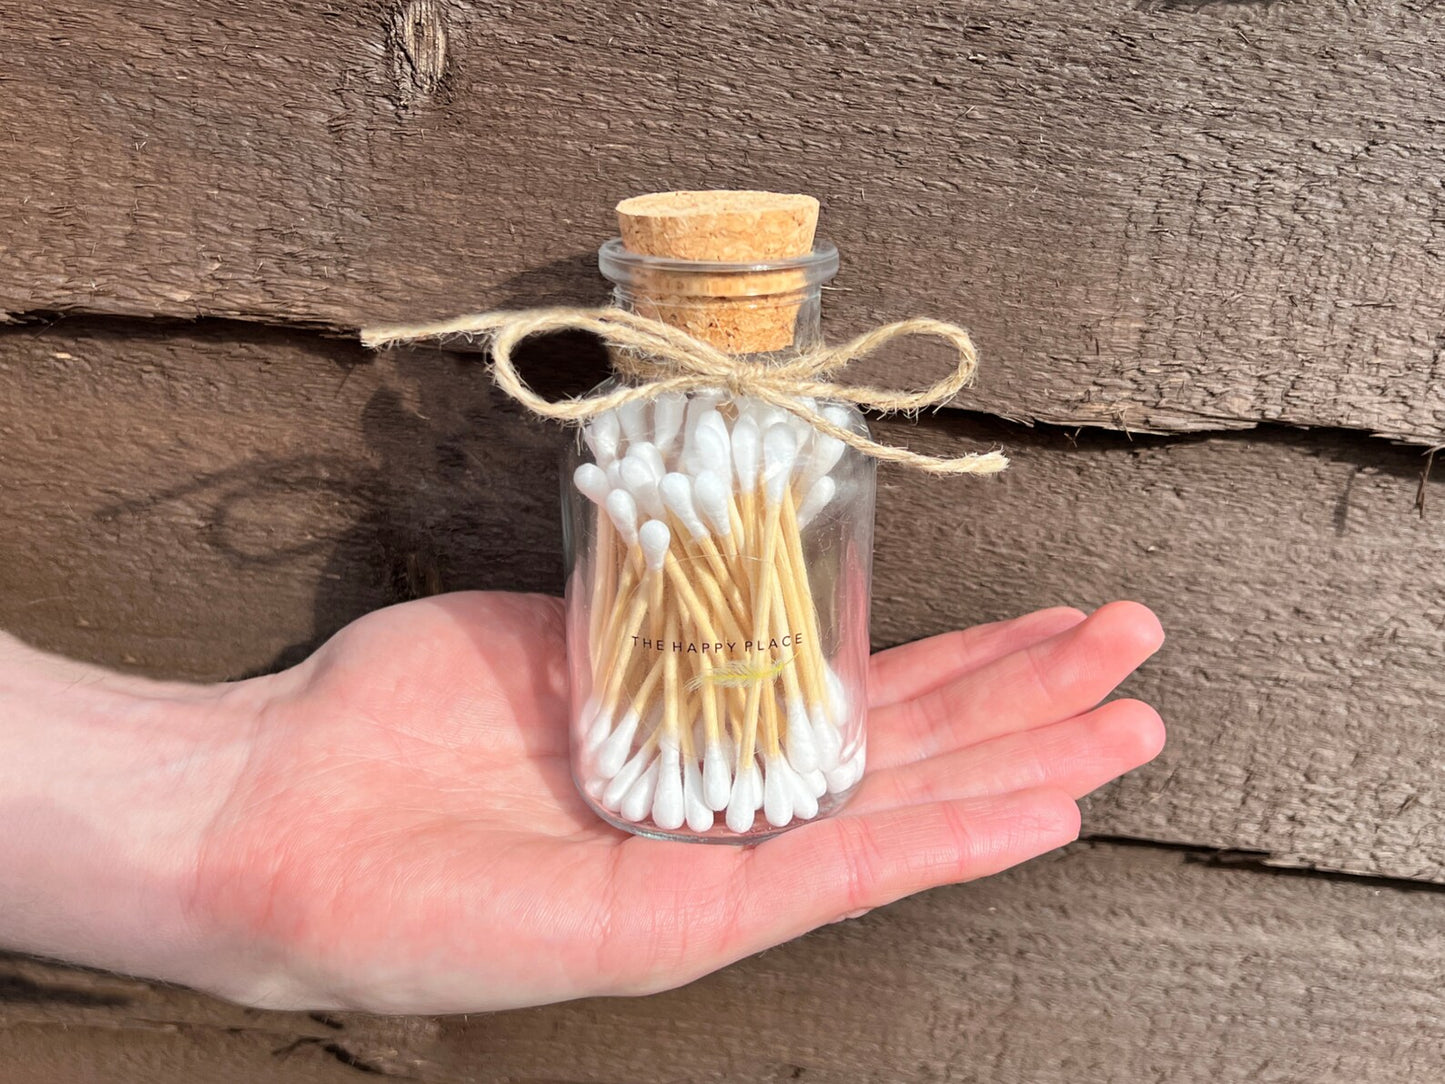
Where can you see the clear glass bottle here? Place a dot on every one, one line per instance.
(719, 553)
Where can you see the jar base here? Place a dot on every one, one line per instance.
(720, 833)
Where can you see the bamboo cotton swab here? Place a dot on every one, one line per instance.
(653, 541)
(591, 481)
(704, 569)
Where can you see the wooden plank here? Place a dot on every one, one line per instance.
(208, 501)
(1304, 600)
(50, 1055)
(1102, 962)
(1156, 216)
(57, 1022)
(211, 503)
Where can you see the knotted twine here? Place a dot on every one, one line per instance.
(660, 358)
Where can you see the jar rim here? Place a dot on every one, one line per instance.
(621, 265)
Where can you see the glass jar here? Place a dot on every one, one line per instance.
(719, 553)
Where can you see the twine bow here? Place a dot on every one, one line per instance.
(665, 359)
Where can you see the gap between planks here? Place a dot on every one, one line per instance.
(221, 328)
(1266, 862)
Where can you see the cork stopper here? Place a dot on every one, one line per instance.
(742, 309)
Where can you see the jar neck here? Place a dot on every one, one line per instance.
(760, 326)
(757, 309)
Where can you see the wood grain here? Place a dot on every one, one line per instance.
(1304, 604)
(37, 1054)
(1164, 217)
(66, 1025)
(209, 501)
(1156, 216)
(1099, 963)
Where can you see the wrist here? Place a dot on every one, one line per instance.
(107, 784)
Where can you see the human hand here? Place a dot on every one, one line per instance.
(402, 833)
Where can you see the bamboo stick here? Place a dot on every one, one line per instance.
(604, 584)
(802, 607)
(762, 607)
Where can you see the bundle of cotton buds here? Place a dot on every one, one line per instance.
(710, 691)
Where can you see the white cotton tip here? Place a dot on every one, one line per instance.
(622, 510)
(763, 414)
(591, 481)
(601, 435)
(614, 474)
(594, 787)
(816, 782)
(668, 411)
(827, 738)
(709, 446)
(803, 429)
(649, 454)
(777, 792)
(860, 757)
(698, 405)
(717, 776)
(668, 809)
(824, 457)
(710, 493)
(633, 419)
(847, 774)
(839, 778)
(747, 406)
(696, 810)
(677, 496)
(595, 723)
(613, 751)
(802, 748)
(689, 452)
(825, 451)
(637, 476)
(747, 453)
(741, 809)
(598, 732)
(805, 802)
(654, 537)
(637, 802)
(754, 776)
(622, 781)
(780, 453)
(820, 493)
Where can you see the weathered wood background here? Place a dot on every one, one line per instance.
(1202, 246)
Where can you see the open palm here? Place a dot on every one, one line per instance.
(405, 836)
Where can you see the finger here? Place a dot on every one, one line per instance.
(909, 670)
(844, 865)
(1041, 684)
(1075, 756)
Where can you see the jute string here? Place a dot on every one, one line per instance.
(661, 359)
